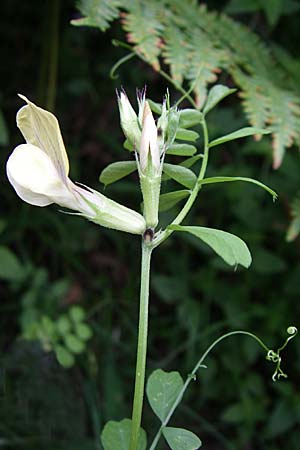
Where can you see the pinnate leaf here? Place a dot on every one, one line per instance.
(163, 389)
(231, 248)
(181, 439)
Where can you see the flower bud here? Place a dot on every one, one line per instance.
(129, 120)
(150, 168)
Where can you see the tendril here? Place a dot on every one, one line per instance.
(275, 357)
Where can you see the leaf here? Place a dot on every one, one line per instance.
(231, 248)
(116, 436)
(186, 135)
(10, 267)
(180, 174)
(181, 150)
(243, 132)
(191, 161)
(189, 118)
(63, 324)
(73, 344)
(294, 227)
(230, 179)
(167, 201)
(77, 313)
(155, 107)
(162, 390)
(215, 95)
(83, 331)
(116, 171)
(181, 439)
(97, 13)
(273, 10)
(64, 357)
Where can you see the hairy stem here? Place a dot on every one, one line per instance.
(141, 347)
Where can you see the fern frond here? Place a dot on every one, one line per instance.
(188, 38)
(98, 13)
(144, 27)
(175, 52)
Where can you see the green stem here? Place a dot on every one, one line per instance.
(142, 346)
(192, 377)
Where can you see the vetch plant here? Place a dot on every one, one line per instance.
(38, 171)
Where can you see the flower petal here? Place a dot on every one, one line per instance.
(41, 129)
(35, 178)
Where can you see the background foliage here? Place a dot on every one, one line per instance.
(51, 262)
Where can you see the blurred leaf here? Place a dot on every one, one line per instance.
(73, 344)
(243, 6)
(180, 174)
(215, 95)
(282, 419)
(267, 262)
(243, 132)
(162, 390)
(273, 10)
(181, 439)
(77, 313)
(10, 267)
(116, 171)
(83, 331)
(230, 247)
(64, 357)
(116, 435)
(63, 324)
(167, 201)
(234, 414)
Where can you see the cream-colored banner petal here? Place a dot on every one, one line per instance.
(40, 128)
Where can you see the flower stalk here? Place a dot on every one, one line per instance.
(139, 388)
